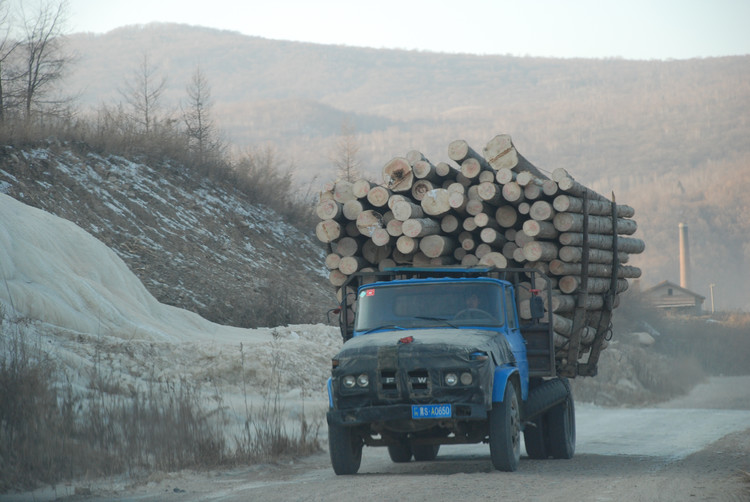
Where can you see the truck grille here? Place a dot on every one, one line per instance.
(417, 382)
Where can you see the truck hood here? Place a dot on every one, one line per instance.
(424, 344)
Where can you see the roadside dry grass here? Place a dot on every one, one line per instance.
(52, 430)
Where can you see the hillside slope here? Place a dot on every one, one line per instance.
(195, 244)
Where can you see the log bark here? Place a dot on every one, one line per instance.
(501, 153)
(404, 210)
(540, 229)
(602, 241)
(574, 254)
(375, 254)
(420, 227)
(570, 283)
(437, 245)
(559, 267)
(572, 222)
(329, 209)
(570, 204)
(472, 167)
(424, 170)
(492, 237)
(540, 250)
(491, 193)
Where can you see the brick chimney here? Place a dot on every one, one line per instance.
(684, 257)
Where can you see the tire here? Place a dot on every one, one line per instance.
(425, 452)
(505, 431)
(534, 437)
(561, 429)
(345, 448)
(400, 452)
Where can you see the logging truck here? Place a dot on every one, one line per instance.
(437, 356)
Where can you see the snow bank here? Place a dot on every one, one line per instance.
(86, 308)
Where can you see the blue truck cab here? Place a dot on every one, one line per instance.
(436, 356)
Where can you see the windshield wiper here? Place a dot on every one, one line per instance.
(384, 326)
(441, 319)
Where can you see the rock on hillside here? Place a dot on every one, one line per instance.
(194, 243)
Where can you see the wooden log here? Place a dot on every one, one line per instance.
(386, 264)
(351, 230)
(352, 209)
(459, 150)
(405, 209)
(570, 283)
(494, 259)
(550, 188)
(436, 202)
(484, 220)
(329, 209)
(328, 230)
(501, 153)
(572, 222)
(407, 245)
(351, 295)
(513, 193)
(506, 216)
(540, 229)
(468, 243)
(491, 193)
(337, 277)
(351, 264)
(394, 227)
(486, 177)
(469, 260)
(343, 191)
(542, 211)
(569, 204)
(459, 253)
(457, 202)
(445, 170)
(398, 175)
(381, 237)
(437, 245)
(493, 237)
(332, 261)
(523, 208)
(420, 188)
(532, 191)
(540, 250)
(348, 246)
(482, 249)
(420, 227)
(472, 167)
(414, 156)
(361, 187)
(574, 254)
(378, 196)
(424, 170)
(421, 260)
(509, 248)
(559, 267)
(474, 207)
(442, 261)
(450, 224)
(571, 186)
(374, 253)
(394, 198)
(368, 221)
(403, 258)
(560, 304)
(602, 241)
(522, 239)
(505, 175)
(469, 224)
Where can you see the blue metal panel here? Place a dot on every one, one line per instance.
(329, 385)
(502, 374)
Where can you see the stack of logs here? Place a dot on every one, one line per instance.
(490, 209)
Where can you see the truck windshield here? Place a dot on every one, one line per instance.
(428, 305)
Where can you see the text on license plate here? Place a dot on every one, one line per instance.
(431, 411)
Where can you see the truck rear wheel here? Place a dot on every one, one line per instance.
(425, 452)
(400, 452)
(505, 431)
(534, 437)
(345, 449)
(561, 423)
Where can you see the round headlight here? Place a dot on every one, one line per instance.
(363, 380)
(451, 379)
(349, 381)
(466, 378)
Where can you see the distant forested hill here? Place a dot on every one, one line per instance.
(670, 138)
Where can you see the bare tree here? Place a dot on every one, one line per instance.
(7, 48)
(200, 128)
(43, 57)
(345, 152)
(143, 94)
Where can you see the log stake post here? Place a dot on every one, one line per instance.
(570, 369)
(605, 321)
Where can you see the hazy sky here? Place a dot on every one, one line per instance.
(631, 29)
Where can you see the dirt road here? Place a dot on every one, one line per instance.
(693, 448)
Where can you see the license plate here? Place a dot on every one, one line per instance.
(419, 411)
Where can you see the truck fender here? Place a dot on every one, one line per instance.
(501, 377)
(329, 386)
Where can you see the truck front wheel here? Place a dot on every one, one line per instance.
(505, 431)
(534, 437)
(345, 448)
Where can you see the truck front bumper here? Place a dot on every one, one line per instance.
(400, 413)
